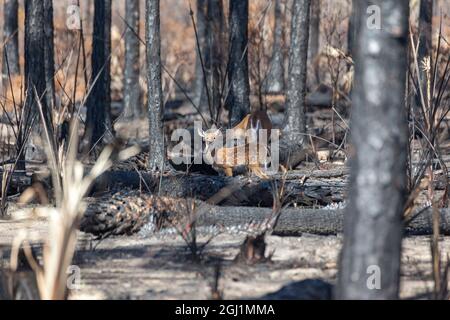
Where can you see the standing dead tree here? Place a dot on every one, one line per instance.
(314, 30)
(294, 130)
(132, 90)
(275, 78)
(352, 30)
(49, 52)
(425, 49)
(156, 159)
(238, 99)
(34, 51)
(36, 109)
(10, 39)
(214, 45)
(425, 29)
(373, 228)
(314, 37)
(35, 69)
(99, 128)
(199, 84)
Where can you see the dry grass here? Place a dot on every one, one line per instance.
(64, 219)
(428, 110)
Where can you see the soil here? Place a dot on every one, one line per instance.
(160, 266)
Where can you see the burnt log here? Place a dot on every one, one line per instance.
(239, 191)
(128, 213)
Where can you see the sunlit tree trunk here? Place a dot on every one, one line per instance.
(156, 157)
(294, 128)
(275, 77)
(132, 89)
(370, 259)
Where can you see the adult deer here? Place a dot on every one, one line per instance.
(242, 148)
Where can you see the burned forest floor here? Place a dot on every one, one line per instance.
(140, 262)
(161, 267)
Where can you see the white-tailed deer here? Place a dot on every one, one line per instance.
(250, 152)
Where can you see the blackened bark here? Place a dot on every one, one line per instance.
(34, 58)
(49, 52)
(35, 74)
(156, 157)
(132, 89)
(425, 28)
(275, 78)
(293, 222)
(373, 222)
(352, 30)
(98, 120)
(199, 83)
(238, 102)
(425, 40)
(295, 118)
(11, 38)
(214, 45)
(314, 30)
(235, 191)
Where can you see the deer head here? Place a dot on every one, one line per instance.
(210, 135)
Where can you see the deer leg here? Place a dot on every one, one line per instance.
(229, 172)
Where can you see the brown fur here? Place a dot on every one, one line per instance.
(228, 158)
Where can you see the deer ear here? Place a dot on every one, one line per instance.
(200, 132)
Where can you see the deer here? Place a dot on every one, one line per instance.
(226, 158)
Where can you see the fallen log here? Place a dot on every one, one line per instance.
(242, 190)
(129, 213)
(294, 221)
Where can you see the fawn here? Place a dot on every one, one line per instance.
(247, 153)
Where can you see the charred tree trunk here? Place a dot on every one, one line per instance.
(10, 39)
(239, 87)
(35, 73)
(314, 30)
(132, 89)
(156, 159)
(213, 53)
(425, 41)
(275, 78)
(34, 51)
(137, 209)
(199, 82)
(352, 29)
(295, 118)
(425, 29)
(98, 120)
(233, 191)
(49, 54)
(370, 260)
(85, 22)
